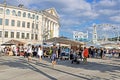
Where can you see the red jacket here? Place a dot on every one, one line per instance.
(85, 54)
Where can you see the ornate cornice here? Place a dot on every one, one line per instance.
(19, 8)
(50, 15)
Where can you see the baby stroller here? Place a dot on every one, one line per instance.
(76, 59)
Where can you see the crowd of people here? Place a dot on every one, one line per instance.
(93, 52)
(103, 52)
(55, 52)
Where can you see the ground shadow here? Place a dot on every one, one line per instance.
(23, 64)
(102, 66)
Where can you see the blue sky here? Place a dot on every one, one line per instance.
(79, 15)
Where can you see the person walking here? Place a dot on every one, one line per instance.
(14, 51)
(29, 53)
(85, 55)
(40, 53)
(54, 55)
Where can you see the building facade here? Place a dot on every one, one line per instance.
(31, 27)
(80, 36)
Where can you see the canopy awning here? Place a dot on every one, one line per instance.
(64, 41)
(13, 42)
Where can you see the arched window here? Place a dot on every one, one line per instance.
(24, 14)
(33, 16)
(1, 10)
(19, 13)
(8, 12)
(29, 15)
(13, 13)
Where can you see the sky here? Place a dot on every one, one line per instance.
(80, 15)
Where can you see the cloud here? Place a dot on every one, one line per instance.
(75, 14)
(89, 14)
(78, 8)
(115, 18)
(73, 5)
(107, 3)
(70, 22)
(108, 11)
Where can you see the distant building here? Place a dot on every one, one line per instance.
(80, 36)
(26, 25)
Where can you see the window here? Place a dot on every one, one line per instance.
(18, 35)
(23, 35)
(33, 16)
(6, 34)
(13, 23)
(28, 24)
(29, 15)
(36, 26)
(1, 10)
(32, 36)
(1, 21)
(27, 36)
(6, 22)
(18, 23)
(37, 17)
(95, 36)
(19, 13)
(23, 24)
(12, 34)
(32, 25)
(0, 33)
(36, 37)
(8, 12)
(24, 14)
(13, 13)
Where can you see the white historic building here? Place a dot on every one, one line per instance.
(31, 27)
(80, 36)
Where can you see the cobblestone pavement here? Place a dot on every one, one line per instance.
(18, 68)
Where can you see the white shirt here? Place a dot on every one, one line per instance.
(40, 52)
